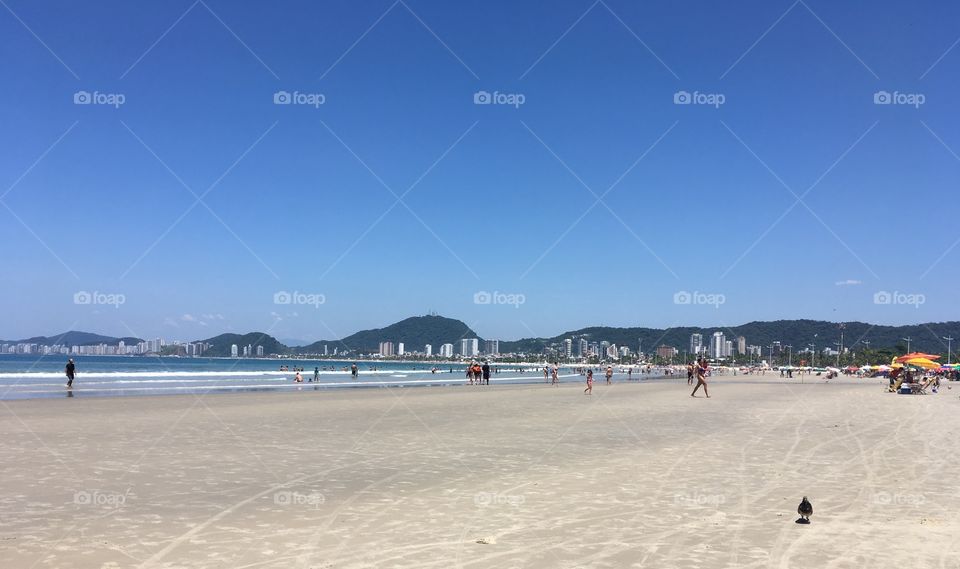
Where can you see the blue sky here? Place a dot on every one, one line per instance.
(299, 198)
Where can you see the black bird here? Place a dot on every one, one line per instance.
(805, 509)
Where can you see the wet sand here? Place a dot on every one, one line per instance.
(638, 475)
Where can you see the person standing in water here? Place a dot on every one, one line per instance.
(71, 371)
(354, 371)
(316, 374)
(609, 374)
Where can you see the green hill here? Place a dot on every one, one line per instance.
(414, 332)
(220, 345)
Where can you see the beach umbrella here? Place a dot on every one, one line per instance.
(914, 355)
(922, 362)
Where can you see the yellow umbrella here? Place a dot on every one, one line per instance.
(923, 362)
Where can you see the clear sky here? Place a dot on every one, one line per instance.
(142, 155)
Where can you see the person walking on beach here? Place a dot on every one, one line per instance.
(546, 371)
(609, 374)
(485, 370)
(71, 371)
(689, 374)
(316, 374)
(589, 389)
(555, 375)
(701, 378)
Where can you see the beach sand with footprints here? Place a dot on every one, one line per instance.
(636, 475)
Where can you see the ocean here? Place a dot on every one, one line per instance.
(32, 376)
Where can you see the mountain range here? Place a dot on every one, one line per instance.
(417, 331)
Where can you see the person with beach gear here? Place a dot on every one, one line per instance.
(701, 378)
(71, 371)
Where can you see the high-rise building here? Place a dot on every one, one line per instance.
(400, 349)
(234, 351)
(604, 347)
(491, 347)
(259, 351)
(469, 347)
(446, 351)
(428, 350)
(728, 349)
(583, 346)
(696, 343)
(568, 347)
(386, 348)
(612, 351)
(741, 345)
(717, 345)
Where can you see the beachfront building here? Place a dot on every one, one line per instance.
(696, 343)
(741, 345)
(386, 349)
(469, 347)
(728, 349)
(428, 350)
(583, 347)
(234, 351)
(718, 345)
(400, 349)
(491, 347)
(666, 352)
(568, 347)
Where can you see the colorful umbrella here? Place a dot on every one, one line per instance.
(914, 355)
(922, 362)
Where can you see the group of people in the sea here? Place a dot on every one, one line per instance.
(298, 378)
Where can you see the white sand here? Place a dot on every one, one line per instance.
(639, 475)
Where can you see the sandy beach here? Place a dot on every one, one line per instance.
(638, 475)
